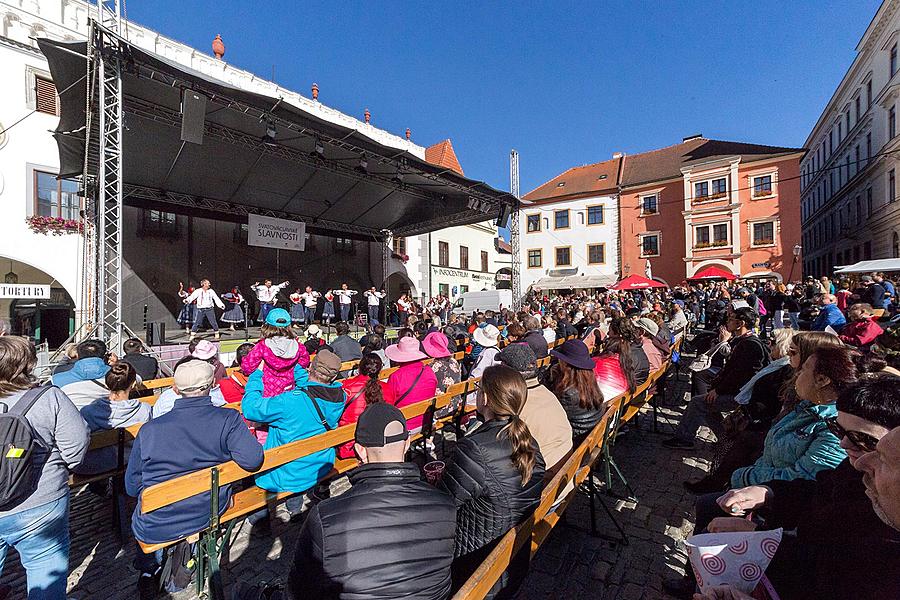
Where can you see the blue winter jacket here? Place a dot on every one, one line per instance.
(797, 447)
(83, 370)
(291, 416)
(829, 314)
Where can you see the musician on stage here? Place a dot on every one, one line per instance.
(404, 304)
(267, 295)
(345, 299)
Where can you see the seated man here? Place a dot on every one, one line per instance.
(748, 355)
(194, 435)
(829, 314)
(313, 407)
(84, 382)
(345, 346)
(390, 535)
(535, 337)
(147, 367)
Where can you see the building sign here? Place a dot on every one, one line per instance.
(24, 290)
(463, 274)
(762, 265)
(267, 232)
(504, 277)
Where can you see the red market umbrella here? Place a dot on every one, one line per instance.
(636, 282)
(713, 273)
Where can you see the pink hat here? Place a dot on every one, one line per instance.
(205, 350)
(405, 350)
(436, 345)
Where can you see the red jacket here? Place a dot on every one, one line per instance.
(860, 333)
(232, 388)
(356, 404)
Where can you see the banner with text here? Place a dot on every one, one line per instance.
(276, 233)
(24, 290)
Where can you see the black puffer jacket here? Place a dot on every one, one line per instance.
(582, 420)
(537, 342)
(487, 488)
(390, 536)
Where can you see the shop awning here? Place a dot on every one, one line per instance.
(574, 282)
(868, 266)
(637, 282)
(257, 154)
(712, 273)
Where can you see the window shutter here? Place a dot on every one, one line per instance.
(45, 96)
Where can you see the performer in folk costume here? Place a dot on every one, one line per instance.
(267, 294)
(345, 300)
(328, 308)
(187, 313)
(373, 300)
(205, 297)
(234, 313)
(404, 305)
(310, 302)
(298, 312)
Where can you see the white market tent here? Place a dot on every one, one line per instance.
(868, 266)
(574, 282)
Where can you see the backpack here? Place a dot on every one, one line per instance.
(19, 442)
(178, 567)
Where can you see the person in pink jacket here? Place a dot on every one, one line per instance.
(861, 328)
(414, 381)
(279, 352)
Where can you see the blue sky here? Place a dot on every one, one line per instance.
(564, 83)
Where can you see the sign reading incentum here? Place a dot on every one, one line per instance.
(275, 233)
(24, 290)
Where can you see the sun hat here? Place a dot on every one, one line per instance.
(575, 353)
(313, 330)
(194, 375)
(325, 365)
(374, 421)
(488, 336)
(436, 345)
(205, 350)
(519, 357)
(405, 350)
(648, 325)
(278, 317)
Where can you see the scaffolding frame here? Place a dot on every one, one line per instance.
(514, 268)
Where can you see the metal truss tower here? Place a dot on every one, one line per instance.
(515, 264)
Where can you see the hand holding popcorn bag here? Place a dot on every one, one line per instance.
(737, 558)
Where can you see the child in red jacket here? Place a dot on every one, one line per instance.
(861, 330)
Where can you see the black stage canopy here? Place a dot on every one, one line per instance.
(258, 155)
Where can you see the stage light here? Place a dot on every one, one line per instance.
(318, 150)
(363, 166)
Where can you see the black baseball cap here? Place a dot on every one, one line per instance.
(374, 421)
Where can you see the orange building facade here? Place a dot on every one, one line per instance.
(710, 204)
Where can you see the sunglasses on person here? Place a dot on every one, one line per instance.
(863, 441)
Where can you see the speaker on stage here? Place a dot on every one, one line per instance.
(503, 218)
(156, 333)
(193, 116)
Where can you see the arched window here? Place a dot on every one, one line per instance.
(895, 246)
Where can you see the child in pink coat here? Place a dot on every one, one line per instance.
(278, 352)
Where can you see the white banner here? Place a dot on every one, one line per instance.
(276, 233)
(24, 290)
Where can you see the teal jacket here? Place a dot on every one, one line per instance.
(291, 416)
(797, 447)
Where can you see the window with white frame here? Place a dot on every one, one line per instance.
(533, 223)
(893, 61)
(763, 233)
(762, 186)
(56, 197)
(650, 244)
(650, 204)
(712, 235)
(711, 189)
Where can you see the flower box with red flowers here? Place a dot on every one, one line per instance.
(404, 258)
(54, 225)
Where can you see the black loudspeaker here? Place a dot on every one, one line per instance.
(503, 218)
(156, 333)
(193, 116)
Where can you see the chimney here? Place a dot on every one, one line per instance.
(618, 155)
(696, 136)
(315, 91)
(218, 47)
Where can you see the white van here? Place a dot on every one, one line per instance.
(472, 302)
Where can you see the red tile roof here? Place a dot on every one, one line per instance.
(598, 178)
(442, 154)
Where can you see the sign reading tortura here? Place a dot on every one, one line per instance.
(463, 274)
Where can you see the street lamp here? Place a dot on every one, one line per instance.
(796, 250)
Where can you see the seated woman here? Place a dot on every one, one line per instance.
(861, 329)
(514, 332)
(573, 382)
(375, 345)
(362, 390)
(446, 368)
(614, 368)
(413, 381)
(114, 412)
(495, 475)
(624, 328)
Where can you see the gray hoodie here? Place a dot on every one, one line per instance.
(64, 438)
(106, 414)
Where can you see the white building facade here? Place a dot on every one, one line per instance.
(849, 175)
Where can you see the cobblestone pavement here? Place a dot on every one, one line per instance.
(571, 564)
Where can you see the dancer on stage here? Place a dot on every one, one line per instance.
(234, 313)
(328, 308)
(373, 300)
(188, 310)
(310, 302)
(298, 312)
(205, 297)
(345, 299)
(267, 294)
